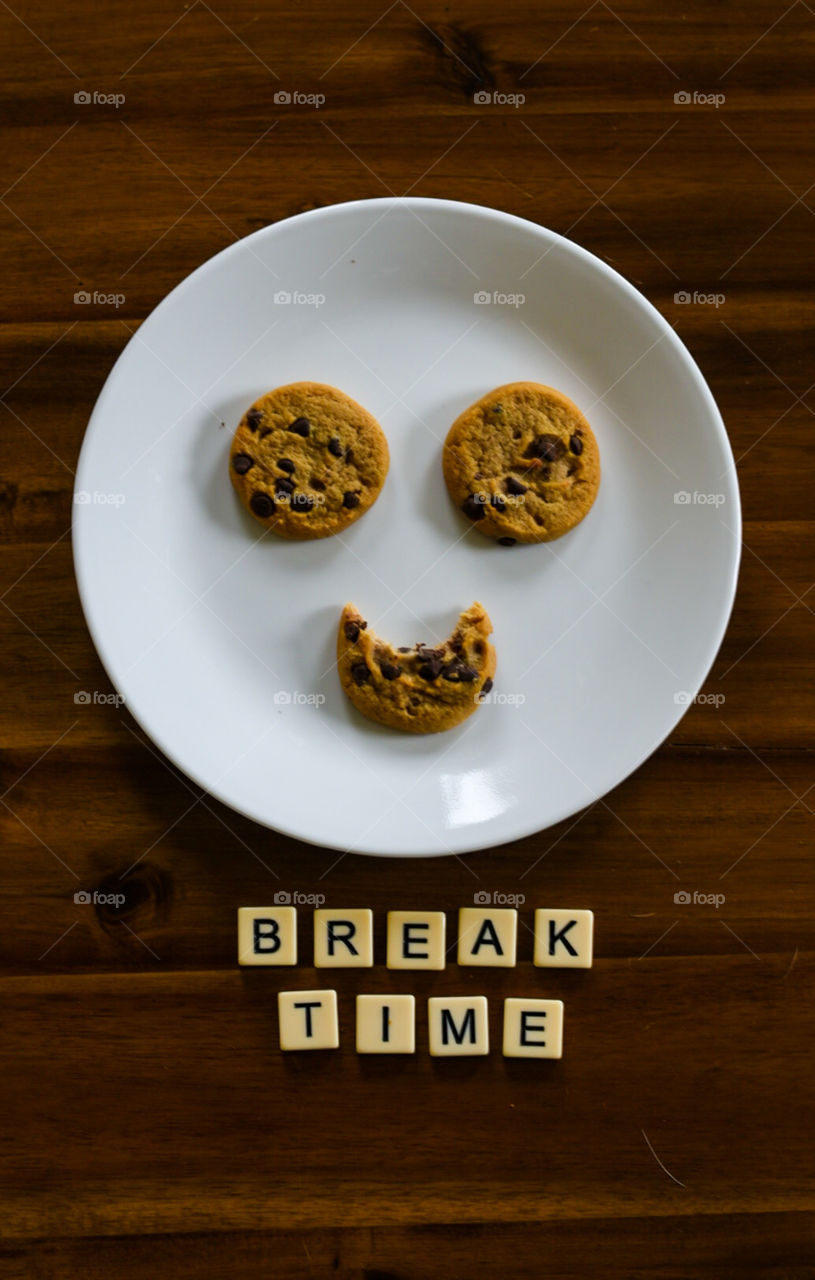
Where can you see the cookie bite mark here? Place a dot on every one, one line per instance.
(527, 474)
(307, 460)
(418, 688)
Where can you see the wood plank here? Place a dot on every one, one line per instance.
(642, 229)
(149, 1120)
(716, 1247)
(185, 866)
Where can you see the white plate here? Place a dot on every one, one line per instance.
(222, 641)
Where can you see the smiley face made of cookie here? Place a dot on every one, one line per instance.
(307, 460)
(522, 464)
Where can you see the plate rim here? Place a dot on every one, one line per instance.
(520, 829)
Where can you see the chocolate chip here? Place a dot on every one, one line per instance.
(264, 432)
(301, 502)
(262, 505)
(300, 426)
(241, 463)
(390, 670)
(498, 502)
(349, 455)
(576, 445)
(350, 500)
(363, 626)
(487, 685)
(317, 484)
(431, 670)
(425, 653)
(282, 485)
(467, 674)
(473, 507)
(360, 672)
(335, 447)
(498, 408)
(286, 464)
(547, 447)
(507, 542)
(515, 487)
(403, 648)
(457, 670)
(552, 449)
(253, 419)
(352, 631)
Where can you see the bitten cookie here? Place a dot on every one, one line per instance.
(419, 689)
(522, 463)
(307, 460)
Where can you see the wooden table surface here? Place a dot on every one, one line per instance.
(151, 1125)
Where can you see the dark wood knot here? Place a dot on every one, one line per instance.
(8, 498)
(144, 891)
(461, 56)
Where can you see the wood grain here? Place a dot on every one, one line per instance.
(151, 1125)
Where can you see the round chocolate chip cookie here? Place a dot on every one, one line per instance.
(307, 460)
(522, 464)
(418, 689)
